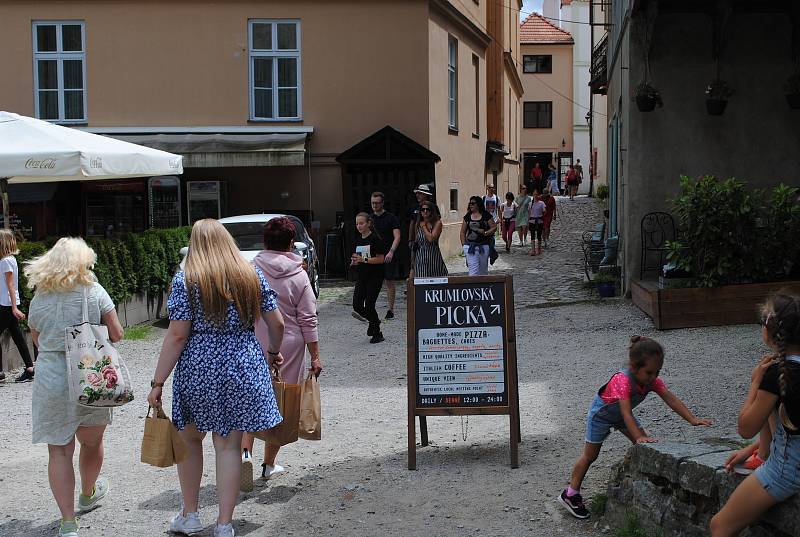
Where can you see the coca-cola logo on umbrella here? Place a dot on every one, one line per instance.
(40, 164)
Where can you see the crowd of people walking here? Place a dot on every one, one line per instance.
(230, 321)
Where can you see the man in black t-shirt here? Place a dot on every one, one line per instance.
(388, 227)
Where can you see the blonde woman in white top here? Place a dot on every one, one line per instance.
(10, 314)
(62, 278)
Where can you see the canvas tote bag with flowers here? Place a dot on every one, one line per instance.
(97, 376)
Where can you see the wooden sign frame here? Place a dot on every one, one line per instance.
(510, 360)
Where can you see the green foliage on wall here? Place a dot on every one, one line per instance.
(728, 234)
(139, 263)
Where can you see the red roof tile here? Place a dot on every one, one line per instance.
(535, 29)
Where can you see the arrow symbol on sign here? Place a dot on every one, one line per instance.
(495, 308)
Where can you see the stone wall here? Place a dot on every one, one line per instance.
(676, 488)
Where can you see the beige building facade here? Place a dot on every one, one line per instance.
(547, 112)
(261, 99)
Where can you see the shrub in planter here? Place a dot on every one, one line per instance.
(602, 195)
(717, 94)
(730, 235)
(792, 89)
(647, 97)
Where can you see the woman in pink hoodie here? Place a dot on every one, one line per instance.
(286, 276)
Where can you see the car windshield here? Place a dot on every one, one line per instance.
(248, 235)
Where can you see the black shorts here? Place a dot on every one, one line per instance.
(392, 269)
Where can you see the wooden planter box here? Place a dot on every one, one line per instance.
(703, 306)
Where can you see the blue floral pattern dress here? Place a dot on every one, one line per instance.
(221, 381)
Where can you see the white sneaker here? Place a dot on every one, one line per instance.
(187, 525)
(269, 472)
(223, 530)
(87, 503)
(68, 528)
(246, 481)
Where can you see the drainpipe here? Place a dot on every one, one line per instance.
(592, 163)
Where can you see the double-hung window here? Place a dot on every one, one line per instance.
(537, 63)
(452, 83)
(59, 71)
(275, 91)
(537, 115)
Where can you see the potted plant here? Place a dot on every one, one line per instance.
(792, 89)
(717, 94)
(605, 284)
(647, 97)
(602, 195)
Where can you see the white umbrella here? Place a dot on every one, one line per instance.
(35, 151)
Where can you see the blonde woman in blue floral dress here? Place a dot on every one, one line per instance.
(222, 383)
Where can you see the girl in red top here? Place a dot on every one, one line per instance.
(613, 406)
(549, 215)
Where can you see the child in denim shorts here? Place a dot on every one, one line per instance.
(612, 408)
(774, 391)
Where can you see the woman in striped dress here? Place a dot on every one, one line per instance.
(428, 262)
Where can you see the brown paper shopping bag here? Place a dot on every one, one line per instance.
(288, 398)
(310, 427)
(157, 447)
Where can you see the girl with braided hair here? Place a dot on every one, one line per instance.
(774, 391)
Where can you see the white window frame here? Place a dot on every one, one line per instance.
(274, 54)
(452, 89)
(59, 56)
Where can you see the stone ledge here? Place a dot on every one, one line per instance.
(676, 488)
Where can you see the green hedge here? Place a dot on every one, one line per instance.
(138, 263)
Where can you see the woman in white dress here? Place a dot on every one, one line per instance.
(60, 278)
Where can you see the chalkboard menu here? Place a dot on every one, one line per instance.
(461, 352)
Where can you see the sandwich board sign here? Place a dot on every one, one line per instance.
(461, 353)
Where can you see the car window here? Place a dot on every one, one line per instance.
(248, 235)
(299, 230)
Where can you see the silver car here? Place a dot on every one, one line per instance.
(248, 232)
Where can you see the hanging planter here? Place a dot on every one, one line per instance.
(647, 97)
(717, 95)
(792, 89)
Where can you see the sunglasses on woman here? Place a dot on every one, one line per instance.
(425, 210)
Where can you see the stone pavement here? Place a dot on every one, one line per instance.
(355, 481)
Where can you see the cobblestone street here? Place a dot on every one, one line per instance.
(355, 481)
(557, 275)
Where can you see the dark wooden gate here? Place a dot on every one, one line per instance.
(392, 163)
